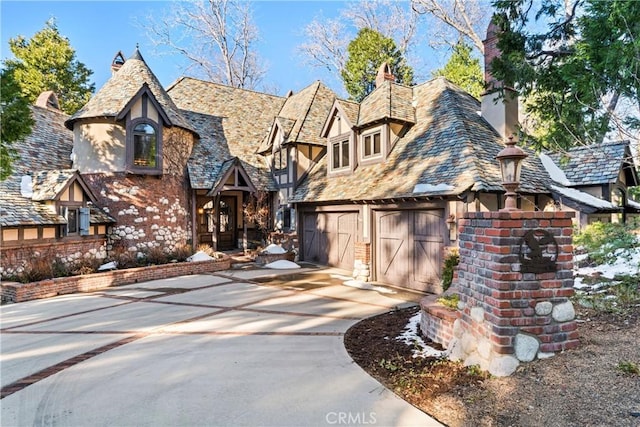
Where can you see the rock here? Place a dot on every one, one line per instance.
(563, 312)
(526, 347)
(477, 314)
(469, 343)
(544, 308)
(484, 348)
(503, 366)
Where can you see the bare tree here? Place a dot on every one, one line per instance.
(216, 36)
(455, 18)
(327, 39)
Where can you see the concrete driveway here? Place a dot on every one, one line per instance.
(195, 351)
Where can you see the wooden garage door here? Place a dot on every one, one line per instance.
(328, 238)
(409, 247)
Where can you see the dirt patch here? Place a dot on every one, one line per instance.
(589, 386)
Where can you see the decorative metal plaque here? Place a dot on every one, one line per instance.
(538, 252)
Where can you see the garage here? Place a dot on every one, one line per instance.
(409, 248)
(328, 238)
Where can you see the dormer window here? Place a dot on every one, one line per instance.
(372, 145)
(145, 146)
(340, 158)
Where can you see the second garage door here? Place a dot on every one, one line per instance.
(409, 247)
(328, 238)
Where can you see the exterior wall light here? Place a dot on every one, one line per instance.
(510, 159)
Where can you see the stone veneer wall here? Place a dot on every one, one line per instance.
(362, 262)
(13, 260)
(150, 211)
(20, 292)
(507, 316)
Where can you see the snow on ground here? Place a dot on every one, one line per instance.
(274, 249)
(368, 286)
(199, 256)
(282, 264)
(627, 263)
(411, 338)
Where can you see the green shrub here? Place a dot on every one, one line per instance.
(450, 264)
(602, 241)
(450, 301)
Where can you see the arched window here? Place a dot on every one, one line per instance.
(145, 146)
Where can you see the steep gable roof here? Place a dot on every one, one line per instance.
(306, 112)
(231, 122)
(450, 148)
(114, 97)
(597, 164)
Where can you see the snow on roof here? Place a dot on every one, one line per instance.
(633, 204)
(554, 170)
(581, 196)
(431, 188)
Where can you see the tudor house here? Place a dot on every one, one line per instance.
(374, 187)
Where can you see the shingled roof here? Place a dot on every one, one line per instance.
(122, 87)
(389, 101)
(231, 123)
(449, 150)
(45, 156)
(597, 164)
(303, 115)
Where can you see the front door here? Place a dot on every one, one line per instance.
(226, 223)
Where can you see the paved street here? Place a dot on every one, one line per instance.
(197, 350)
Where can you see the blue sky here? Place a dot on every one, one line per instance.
(97, 30)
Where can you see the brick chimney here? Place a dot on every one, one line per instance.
(500, 112)
(384, 74)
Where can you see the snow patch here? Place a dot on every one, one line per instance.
(554, 170)
(274, 249)
(282, 264)
(368, 286)
(411, 338)
(26, 186)
(108, 266)
(583, 197)
(431, 188)
(199, 256)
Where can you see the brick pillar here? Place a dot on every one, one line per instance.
(515, 299)
(362, 262)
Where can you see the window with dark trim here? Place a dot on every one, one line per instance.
(340, 154)
(78, 220)
(145, 146)
(371, 145)
(281, 160)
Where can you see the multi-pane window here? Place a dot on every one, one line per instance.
(280, 160)
(372, 146)
(145, 146)
(340, 154)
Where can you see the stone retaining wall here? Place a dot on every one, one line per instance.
(19, 292)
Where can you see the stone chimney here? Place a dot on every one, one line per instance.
(500, 111)
(384, 73)
(117, 62)
(48, 100)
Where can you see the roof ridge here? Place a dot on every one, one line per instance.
(306, 114)
(182, 78)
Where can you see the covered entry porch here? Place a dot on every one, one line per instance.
(233, 214)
